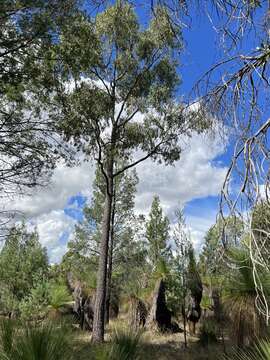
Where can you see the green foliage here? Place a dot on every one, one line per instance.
(162, 269)
(79, 259)
(240, 297)
(116, 71)
(23, 264)
(229, 231)
(193, 282)
(29, 342)
(118, 62)
(206, 302)
(129, 253)
(176, 283)
(58, 296)
(35, 306)
(28, 28)
(261, 351)
(126, 345)
(260, 226)
(157, 235)
(261, 218)
(208, 332)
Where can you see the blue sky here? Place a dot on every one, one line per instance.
(194, 181)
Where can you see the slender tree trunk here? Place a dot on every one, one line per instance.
(184, 309)
(110, 263)
(99, 313)
(185, 323)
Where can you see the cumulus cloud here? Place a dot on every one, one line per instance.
(54, 229)
(54, 210)
(196, 175)
(198, 226)
(65, 182)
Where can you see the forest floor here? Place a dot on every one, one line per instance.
(155, 347)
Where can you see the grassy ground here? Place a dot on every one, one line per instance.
(154, 346)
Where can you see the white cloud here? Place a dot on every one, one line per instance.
(193, 176)
(198, 226)
(65, 182)
(57, 253)
(45, 208)
(51, 227)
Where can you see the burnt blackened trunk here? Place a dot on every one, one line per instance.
(159, 317)
(99, 313)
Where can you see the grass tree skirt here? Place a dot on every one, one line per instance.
(194, 309)
(114, 309)
(83, 307)
(88, 313)
(159, 317)
(137, 313)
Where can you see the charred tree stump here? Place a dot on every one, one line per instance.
(159, 317)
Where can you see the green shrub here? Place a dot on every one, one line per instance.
(58, 296)
(35, 306)
(208, 332)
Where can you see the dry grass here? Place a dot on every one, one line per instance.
(171, 346)
(155, 346)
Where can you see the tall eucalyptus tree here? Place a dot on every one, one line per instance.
(116, 85)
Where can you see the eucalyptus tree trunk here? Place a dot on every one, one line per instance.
(184, 308)
(110, 263)
(99, 312)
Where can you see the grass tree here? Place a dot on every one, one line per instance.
(241, 298)
(119, 102)
(58, 298)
